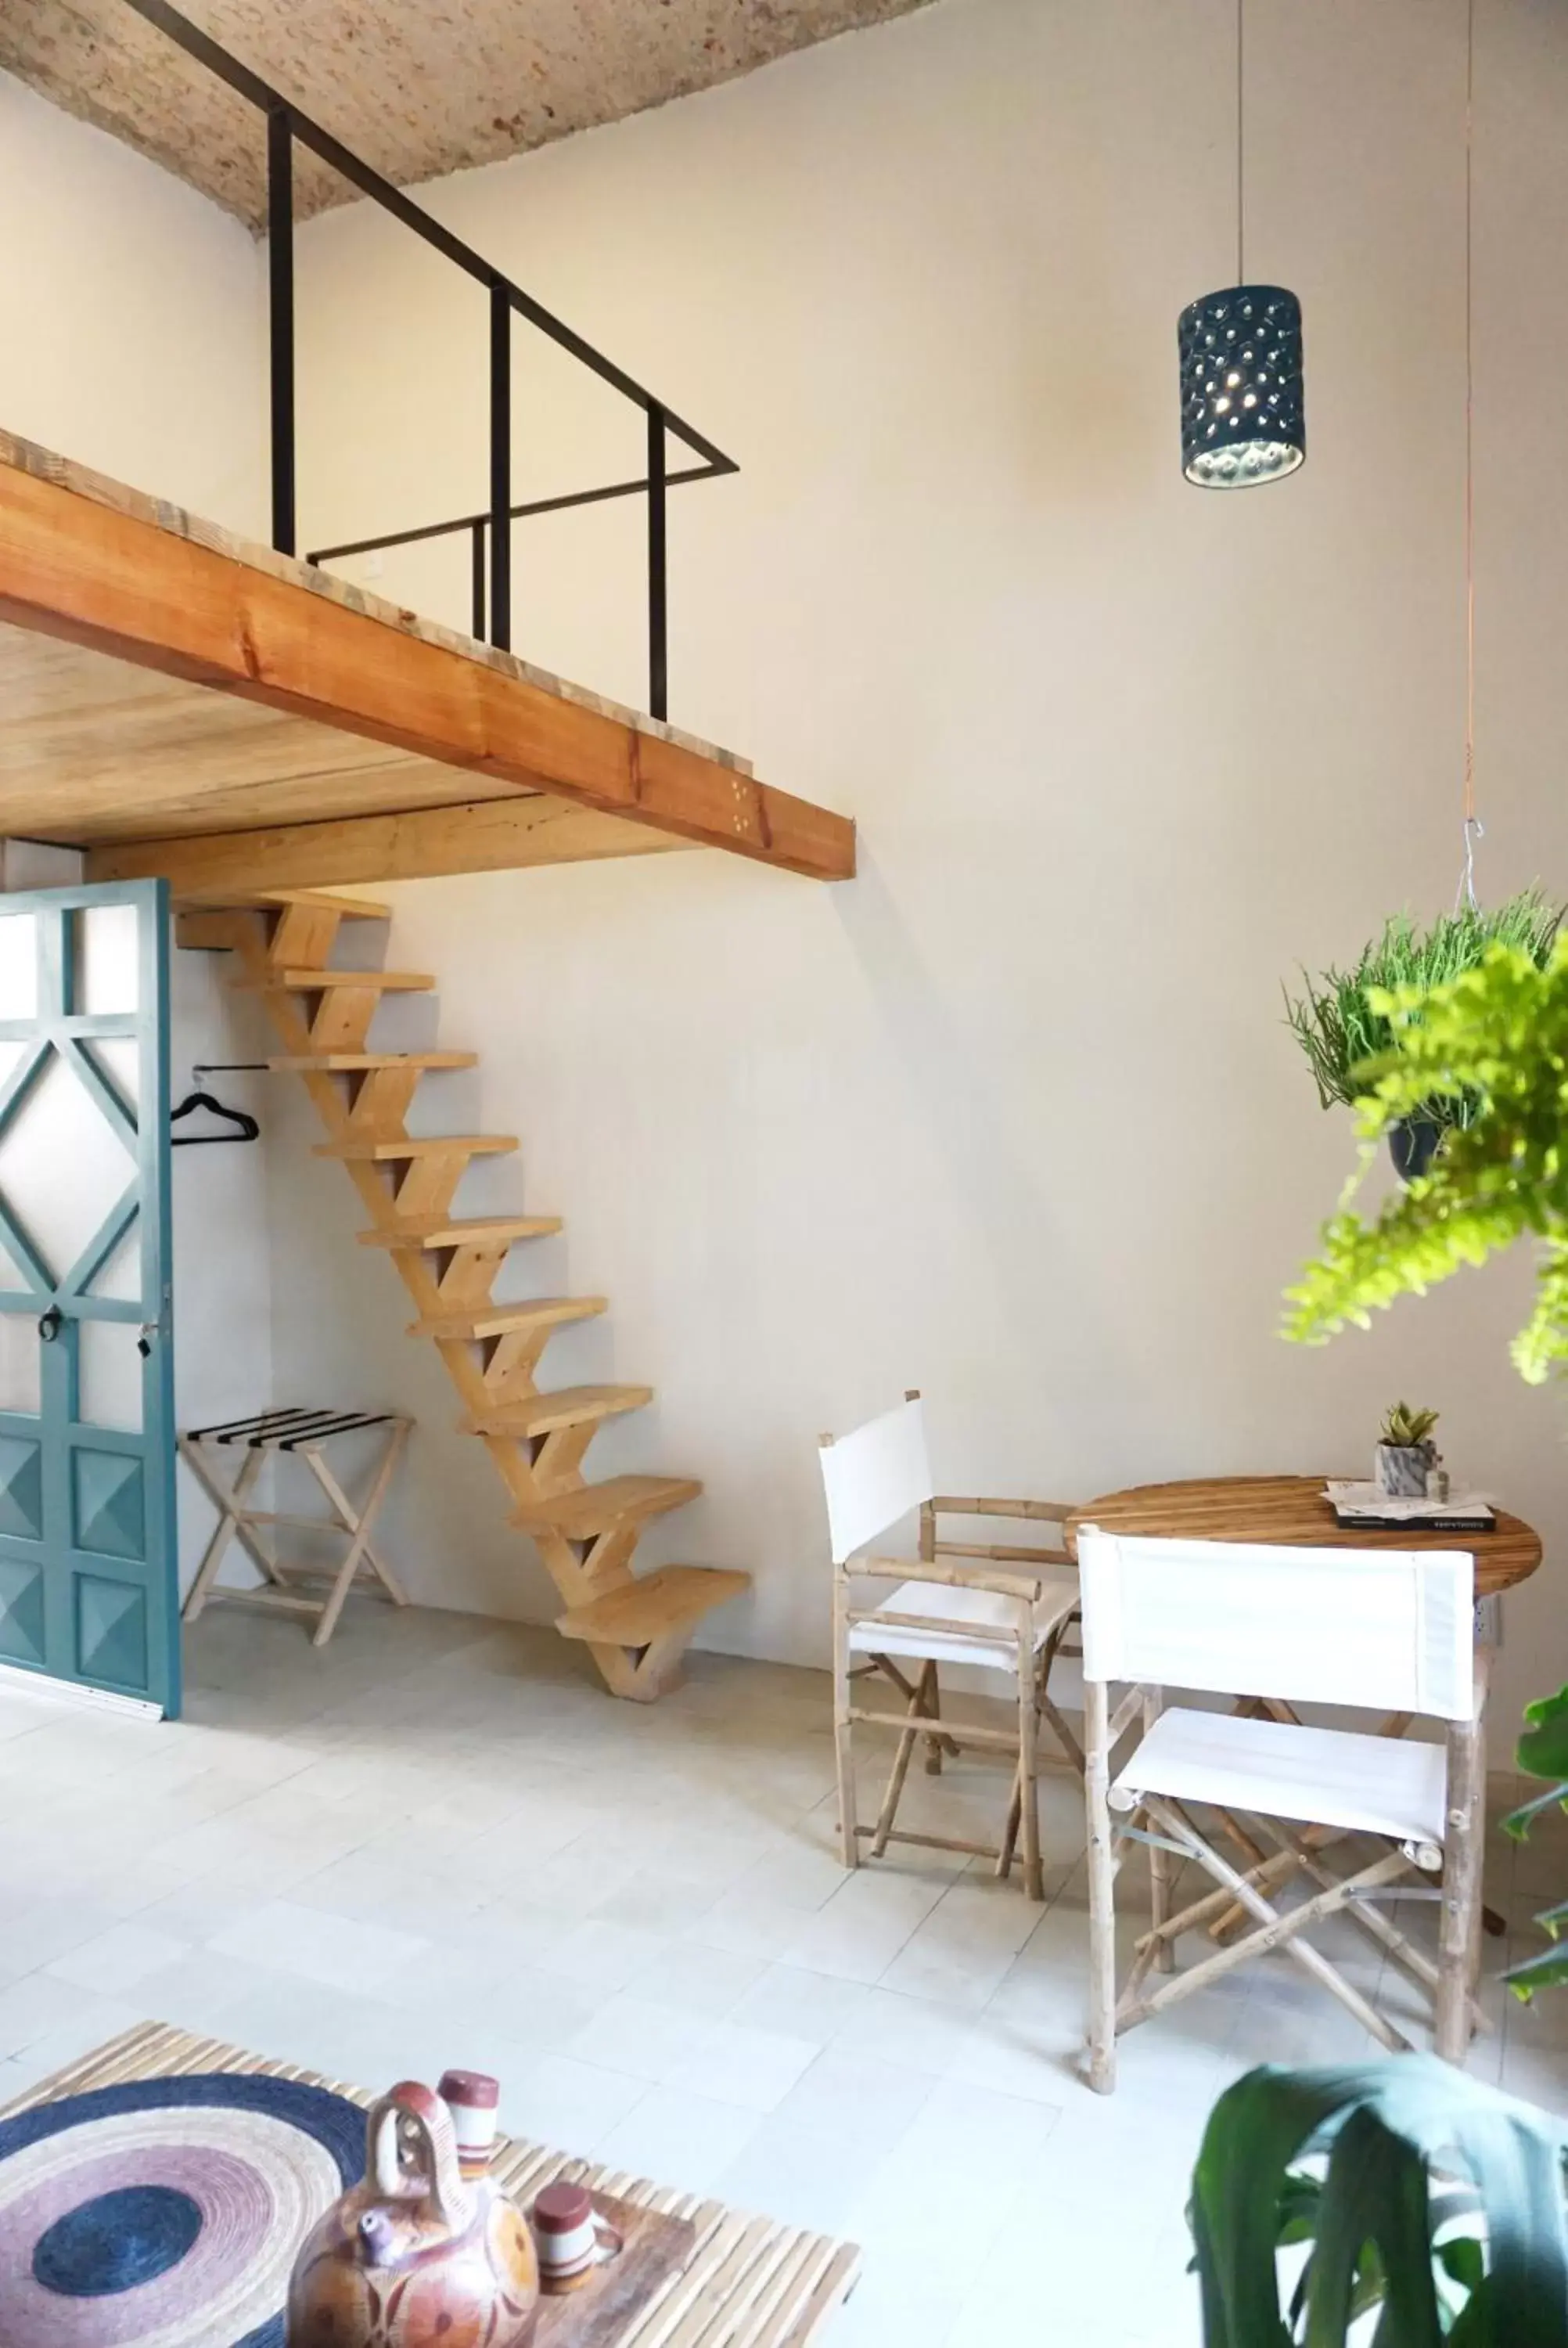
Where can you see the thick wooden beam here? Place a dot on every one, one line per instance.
(486, 836)
(105, 570)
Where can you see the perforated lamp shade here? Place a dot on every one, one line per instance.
(1242, 409)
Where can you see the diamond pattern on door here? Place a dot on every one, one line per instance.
(106, 1503)
(21, 1612)
(111, 1632)
(21, 1489)
(64, 1166)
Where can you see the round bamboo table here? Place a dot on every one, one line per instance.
(1291, 1510)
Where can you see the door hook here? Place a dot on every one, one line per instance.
(50, 1325)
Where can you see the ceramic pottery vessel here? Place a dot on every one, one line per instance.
(420, 2255)
(1399, 1470)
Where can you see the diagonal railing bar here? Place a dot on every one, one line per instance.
(289, 126)
(638, 489)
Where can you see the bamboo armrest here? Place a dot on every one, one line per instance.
(1055, 1513)
(984, 1633)
(919, 1569)
(1002, 1553)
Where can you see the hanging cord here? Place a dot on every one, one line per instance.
(1474, 830)
(1241, 142)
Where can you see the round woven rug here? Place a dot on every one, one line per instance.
(166, 2213)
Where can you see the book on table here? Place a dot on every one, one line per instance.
(1366, 1507)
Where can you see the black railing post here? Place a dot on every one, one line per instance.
(500, 468)
(658, 570)
(281, 268)
(477, 560)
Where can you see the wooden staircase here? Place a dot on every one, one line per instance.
(635, 1629)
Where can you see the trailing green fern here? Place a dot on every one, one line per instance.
(1498, 1035)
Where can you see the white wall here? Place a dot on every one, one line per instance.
(133, 342)
(1012, 1118)
(134, 329)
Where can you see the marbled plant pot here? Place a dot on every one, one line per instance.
(1399, 1470)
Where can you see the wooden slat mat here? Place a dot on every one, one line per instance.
(751, 2283)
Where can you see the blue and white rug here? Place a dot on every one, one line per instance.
(166, 2213)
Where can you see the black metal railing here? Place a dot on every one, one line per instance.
(489, 530)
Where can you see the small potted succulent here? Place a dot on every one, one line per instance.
(1405, 1454)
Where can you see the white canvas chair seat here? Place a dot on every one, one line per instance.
(1324, 1777)
(983, 1609)
(954, 1603)
(1274, 1628)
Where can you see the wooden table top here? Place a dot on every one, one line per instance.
(1292, 1509)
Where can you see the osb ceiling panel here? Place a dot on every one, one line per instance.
(416, 87)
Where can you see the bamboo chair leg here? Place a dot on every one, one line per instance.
(1006, 1855)
(1280, 1930)
(1029, 1752)
(1460, 1891)
(1059, 1727)
(1160, 1871)
(906, 1689)
(843, 1731)
(1377, 1927)
(934, 1745)
(1102, 1889)
(920, 1708)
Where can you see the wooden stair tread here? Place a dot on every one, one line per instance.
(356, 1063)
(419, 1145)
(322, 982)
(566, 1407)
(249, 901)
(496, 1320)
(593, 1508)
(470, 1231)
(639, 1612)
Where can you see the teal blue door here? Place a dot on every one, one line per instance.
(88, 1573)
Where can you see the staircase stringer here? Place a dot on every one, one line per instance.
(373, 1105)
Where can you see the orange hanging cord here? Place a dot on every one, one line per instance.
(1474, 829)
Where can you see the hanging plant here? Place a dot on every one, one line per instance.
(1340, 1027)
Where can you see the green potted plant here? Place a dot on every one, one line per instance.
(1405, 1454)
(1338, 1021)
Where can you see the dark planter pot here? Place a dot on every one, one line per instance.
(1413, 1146)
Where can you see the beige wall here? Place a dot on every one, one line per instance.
(132, 341)
(1012, 1118)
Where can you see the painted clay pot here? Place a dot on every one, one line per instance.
(418, 2256)
(1401, 1470)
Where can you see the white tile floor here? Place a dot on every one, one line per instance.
(438, 1842)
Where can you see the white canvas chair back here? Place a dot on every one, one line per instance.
(875, 1477)
(1387, 1629)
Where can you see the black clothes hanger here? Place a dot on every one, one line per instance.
(246, 1127)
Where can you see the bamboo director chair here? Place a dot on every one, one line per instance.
(1384, 1629)
(950, 1605)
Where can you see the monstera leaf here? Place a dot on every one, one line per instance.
(1423, 2194)
(1543, 1753)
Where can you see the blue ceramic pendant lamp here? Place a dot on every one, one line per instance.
(1242, 408)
